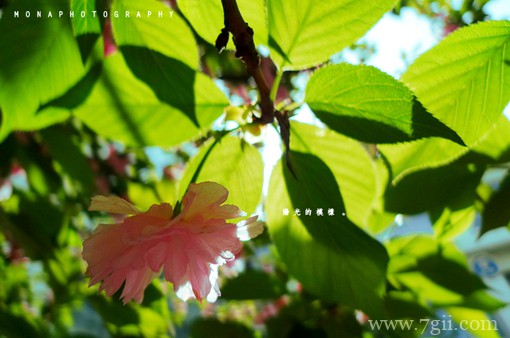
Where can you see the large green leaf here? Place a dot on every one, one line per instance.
(123, 108)
(206, 17)
(162, 52)
(408, 157)
(90, 23)
(478, 322)
(144, 195)
(464, 82)
(60, 108)
(495, 147)
(496, 212)
(176, 84)
(431, 187)
(88, 29)
(40, 60)
(77, 94)
(304, 33)
(168, 35)
(403, 304)
(364, 103)
(349, 162)
(233, 163)
(436, 273)
(329, 255)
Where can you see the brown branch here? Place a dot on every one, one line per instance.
(284, 123)
(246, 51)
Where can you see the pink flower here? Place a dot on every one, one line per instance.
(187, 249)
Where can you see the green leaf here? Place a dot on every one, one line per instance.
(496, 212)
(452, 221)
(232, 163)
(172, 81)
(152, 323)
(449, 274)
(465, 80)
(89, 24)
(60, 108)
(484, 301)
(123, 108)
(168, 35)
(371, 106)
(306, 33)
(40, 61)
(409, 157)
(206, 17)
(88, 29)
(457, 213)
(349, 162)
(76, 95)
(436, 273)
(329, 255)
(465, 83)
(163, 53)
(403, 304)
(380, 219)
(252, 284)
(495, 147)
(143, 196)
(431, 187)
(475, 321)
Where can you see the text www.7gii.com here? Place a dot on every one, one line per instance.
(433, 327)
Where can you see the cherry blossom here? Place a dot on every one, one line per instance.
(187, 249)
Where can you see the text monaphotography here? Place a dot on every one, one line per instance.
(93, 13)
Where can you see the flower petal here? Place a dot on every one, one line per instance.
(176, 262)
(199, 278)
(113, 204)
(119, 253)
(163, 210)
(249, 228)
(205, 199)
(144, 225)
(136, 282)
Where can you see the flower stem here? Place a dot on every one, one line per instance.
(276, 85)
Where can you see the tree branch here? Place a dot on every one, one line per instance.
(246, 51)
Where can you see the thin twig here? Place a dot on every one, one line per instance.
(246, 51)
